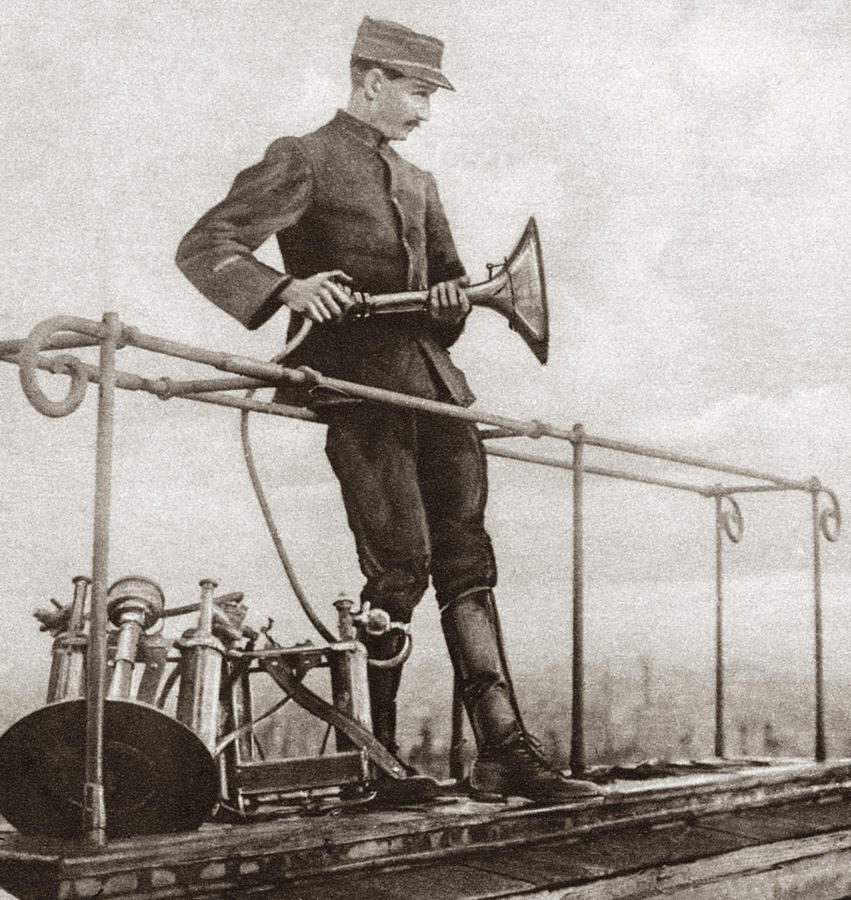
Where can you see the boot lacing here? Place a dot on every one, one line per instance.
(530, 746)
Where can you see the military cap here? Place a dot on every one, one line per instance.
(396, 47)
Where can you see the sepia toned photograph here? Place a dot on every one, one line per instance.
(426, 440)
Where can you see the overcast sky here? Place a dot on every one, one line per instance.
(687, 163)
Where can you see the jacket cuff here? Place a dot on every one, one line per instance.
(239, 284)
(270, 305)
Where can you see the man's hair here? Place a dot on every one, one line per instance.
(359, 66)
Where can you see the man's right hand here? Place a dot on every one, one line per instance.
(321, 297)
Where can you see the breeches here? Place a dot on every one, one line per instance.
(414, 487)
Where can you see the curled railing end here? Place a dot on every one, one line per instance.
(730, 518)
(830, 516)
(28, 359)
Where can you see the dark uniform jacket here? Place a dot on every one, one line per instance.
(338, 198)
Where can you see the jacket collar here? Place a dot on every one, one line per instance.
(360, 130)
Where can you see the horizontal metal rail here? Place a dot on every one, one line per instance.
(558, 463)
(53, 334)
(165, 388)
(695, 461)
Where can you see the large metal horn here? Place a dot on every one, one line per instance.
(516, 291)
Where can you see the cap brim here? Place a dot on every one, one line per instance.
(413, 70)
(427, 74)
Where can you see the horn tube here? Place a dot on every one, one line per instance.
(517, 292)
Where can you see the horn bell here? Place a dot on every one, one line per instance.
(518, 292)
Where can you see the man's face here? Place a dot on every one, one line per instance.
(400, 106)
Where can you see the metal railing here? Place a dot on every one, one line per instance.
(110, 335)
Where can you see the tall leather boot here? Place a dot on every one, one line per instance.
(510, 761)
(383, 687)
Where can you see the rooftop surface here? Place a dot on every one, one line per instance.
(713, 830)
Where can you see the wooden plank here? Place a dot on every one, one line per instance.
(777, 823)
(535, 865)
(349, 838)
(815, 868)
(640, 848)
(446, 882)
(837, 771)
(564, 861)
(454, 882)
(608, 853)
(298, 773)
(825, 877)
(704, 793)
(829, 815)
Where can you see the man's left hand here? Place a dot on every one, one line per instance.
(447, 302)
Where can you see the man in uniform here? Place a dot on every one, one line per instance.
(347, 210)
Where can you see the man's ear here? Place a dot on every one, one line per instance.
(373, 81)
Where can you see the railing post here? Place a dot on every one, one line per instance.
(719, 630)
(729, 522)
(577, 737)
(94, 806)
(456, 746)
(821, 744)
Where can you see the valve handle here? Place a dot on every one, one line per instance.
(401, 656)
(377, 621)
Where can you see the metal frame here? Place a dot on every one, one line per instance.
(67, 332)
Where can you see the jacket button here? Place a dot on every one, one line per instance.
(413, 236)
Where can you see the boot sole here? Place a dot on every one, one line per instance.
(497, 796)
(488, 796)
